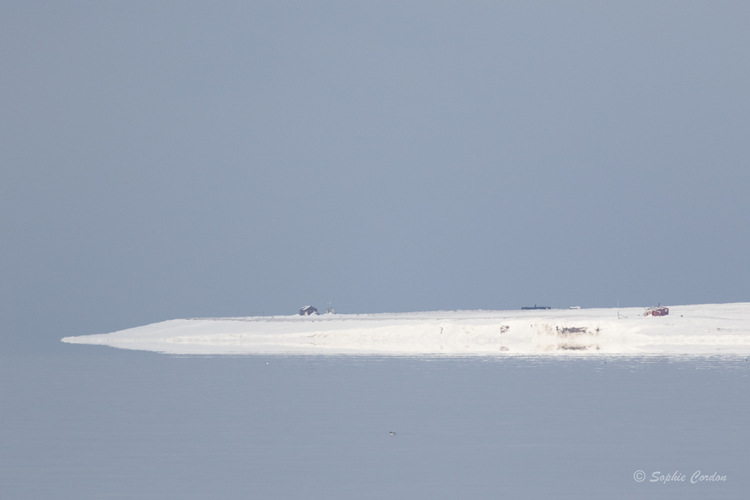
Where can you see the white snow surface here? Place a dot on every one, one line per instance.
(707, 329)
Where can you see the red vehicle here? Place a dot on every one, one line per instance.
(659, 310)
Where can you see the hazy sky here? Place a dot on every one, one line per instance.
(176, 159)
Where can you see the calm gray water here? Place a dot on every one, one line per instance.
(88, 423)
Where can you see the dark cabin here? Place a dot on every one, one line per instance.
(307, 311)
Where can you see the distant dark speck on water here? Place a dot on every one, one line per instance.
(392, 433)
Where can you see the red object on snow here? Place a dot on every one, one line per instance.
(657, 311)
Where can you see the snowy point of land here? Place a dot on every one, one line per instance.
(708, 329)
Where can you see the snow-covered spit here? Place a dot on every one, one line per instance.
(707, 329)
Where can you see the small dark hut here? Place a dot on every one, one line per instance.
(307, 311)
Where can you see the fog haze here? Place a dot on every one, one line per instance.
(178, 159)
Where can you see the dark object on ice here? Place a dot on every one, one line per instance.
(659, 310)
(307, 311)
(534, 308)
